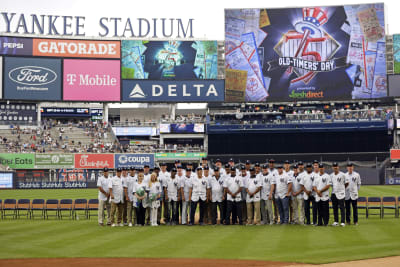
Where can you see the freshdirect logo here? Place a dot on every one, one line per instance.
(32, 75)
(304, 94)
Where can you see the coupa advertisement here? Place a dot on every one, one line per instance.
(310, 53)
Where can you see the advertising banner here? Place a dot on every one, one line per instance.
(310, 53)
(6, 180)
(134, 160)
(396, 53)
(181, 155)
(1, 77)
(94, 161)
(135, 131)
(91, 80)
(65, 112)
(76, 48)
(173, 91)
(32, 78)
(169, 60)
(54, 161)
(182, 128)
(395, 154)
(15, 46)
(50, 185)
(17, 161)
(392, 181)
(18, 112)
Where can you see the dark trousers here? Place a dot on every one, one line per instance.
(283, 207)
(323, 212)
(173, 215)
(338, 204)
(214, 214)
(231, 208)
(193, 210)
(310, 200)
(140, 214)
(166, 217)
(352, 203)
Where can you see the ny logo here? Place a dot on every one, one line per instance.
(339, 179)
(307, 42)
(255, 182)
(282, 180)
(323, 180)
(220, 182)
(354, 179)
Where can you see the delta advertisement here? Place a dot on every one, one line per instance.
(32, 78)
(169, 60)
(91, 80)
(309, 53)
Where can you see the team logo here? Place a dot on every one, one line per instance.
(237, 181)
(323, 180)
(282, 180)
(123, 159)
(158, 187)
(298, 180)
(32, 75)
(203, 182)
(255, 182)
(175, 184)
(55, 159)
(308, 49)
(339, 179)
(220, 182)
(137, 92)
(353, 179)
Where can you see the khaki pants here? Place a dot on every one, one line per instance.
(298, 204)
(253, 212)
(116, 207)
(125, 211)
(129, 211)
(267, 211)
(104, 204)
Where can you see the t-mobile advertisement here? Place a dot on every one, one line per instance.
(91, 80)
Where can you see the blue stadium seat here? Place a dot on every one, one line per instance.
(10, 205)
(37, 205)
(374, 203)
(389, 203)
(24, 205)
(80, 204)
(65, 205)
(51, 205)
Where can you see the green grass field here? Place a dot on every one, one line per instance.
(24, 238)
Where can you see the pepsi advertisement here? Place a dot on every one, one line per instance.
(32, 78)
(169, 60)
(305, 54)
(15, 46)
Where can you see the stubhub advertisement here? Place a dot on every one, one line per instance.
(91, 80)
(173, 91)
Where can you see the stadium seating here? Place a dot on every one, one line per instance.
(37, 205)
(374, 203)
(362, 205)
(93, 205)
(51, 205)
(80, 205)
(389, 203)
(10, 205)
(65, 205)
(24, 205)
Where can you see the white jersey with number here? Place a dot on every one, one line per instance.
(266, 182)
(339, 184)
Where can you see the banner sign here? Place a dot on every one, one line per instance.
(169, 60)
(396, 53)
(32, 78)
(392, 181)
(18, 161)
(50, 185)
(76, 48)
(173, 91)
(310, 53)
(15, 46)
(6, 180)
(17, 112)
(395, 154)
(65, 112)
(94, 161)
(135, 131)
(181, 155)
(134, 160)
(91, 80)
(54, 161)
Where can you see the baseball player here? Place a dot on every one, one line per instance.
(309, 198)
(267, 212)
(354, 180)
(198, 195)
(162, 177)
(207, 209)
(253, 197)
(297, 196)
(274, 172)
(257, 166)
(216, 196)
(233, 187)
(283, 191)
(116, 198)
(102, 185)
(180, 174)
(132, 175)
(245, 176)
(128, 183)
(124, 177)
(338, 194)
(186, 184)
(172, 186)
(154, 195)
(146, 172)
(321, 186)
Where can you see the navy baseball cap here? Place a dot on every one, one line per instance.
(146, 166)
(300, 163)
(173, 170)
(271, 161)
(265, 166)
(252, 169)
(216, 169)
(189, 169)
(295, 166)
(206, 168)
(349, 164)
(105, 170)
(199, 169)
(248, 162)
(242, 167)
(257, 164)
(218, 160)
(227, 166)
(156, 168)
(119, 169)
(177, 161)
(132, 168)
(163, 164)
(335, 164)
(308, 165)
(287, 162)
(316, 161)
(233, 168)
(321, 165)
(203, 158)
(231, 160)
(279, 166)
(179, 166)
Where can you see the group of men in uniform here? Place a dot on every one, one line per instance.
(250, 195)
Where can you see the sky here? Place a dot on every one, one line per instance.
(208, 15)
